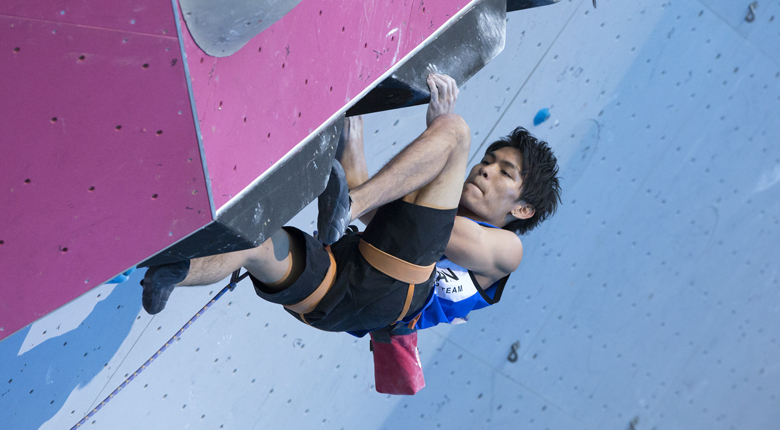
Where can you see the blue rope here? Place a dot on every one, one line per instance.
(234, 279)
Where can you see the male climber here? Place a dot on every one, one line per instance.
(417, 209)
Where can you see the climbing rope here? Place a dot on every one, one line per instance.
(234, 279)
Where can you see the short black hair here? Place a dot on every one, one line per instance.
(541, 187)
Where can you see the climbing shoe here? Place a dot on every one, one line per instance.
(334, 206)
(159, 282)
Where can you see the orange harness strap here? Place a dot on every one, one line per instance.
(413, 322)
(393, 266)
(388, 264)
(407, 302)
(309, 303)
(396, 268)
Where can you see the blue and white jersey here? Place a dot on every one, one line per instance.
(456, 292)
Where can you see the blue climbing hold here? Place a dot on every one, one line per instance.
(122, 277)
(541, 116)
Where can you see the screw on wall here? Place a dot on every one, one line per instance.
(634, 422)
(751, 16)
(513, 354)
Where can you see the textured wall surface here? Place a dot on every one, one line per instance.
(650, 298)
(286, 82)
(121, 137)
(99, 156)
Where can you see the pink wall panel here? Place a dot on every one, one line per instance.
(100, 161)
(137, 16)
(257, 104)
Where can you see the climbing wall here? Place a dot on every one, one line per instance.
(648, 302)
(123, 138)
(99, 152)
(353, 47)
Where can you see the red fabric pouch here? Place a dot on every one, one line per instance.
(397, 367)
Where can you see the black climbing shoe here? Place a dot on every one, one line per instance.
(159, 282)
(334, 206)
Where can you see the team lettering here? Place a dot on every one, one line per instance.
(451, 290)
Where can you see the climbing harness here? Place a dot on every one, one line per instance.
(234, 279)
(391, 266)
(312, 300)
(399, 270)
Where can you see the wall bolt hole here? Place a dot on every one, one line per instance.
(81, 57)
(26, 181)
(331, 89)
(154, 196)
(119, 127)
(64, 250)
(306, 82)
(16, 49)
(54, 119)
(159, 132)
(145, 66)
(91, 189)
